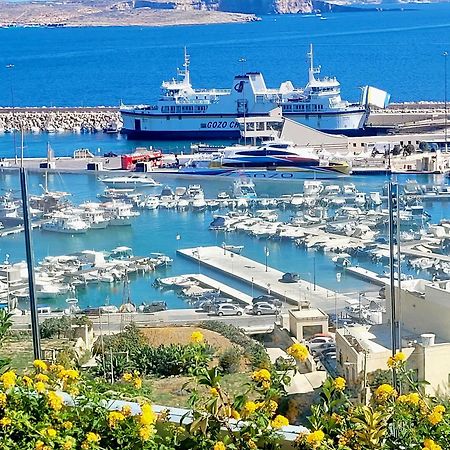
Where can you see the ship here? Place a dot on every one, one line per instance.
(274, 159)
(183, 112)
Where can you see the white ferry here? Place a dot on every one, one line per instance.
(183, 112)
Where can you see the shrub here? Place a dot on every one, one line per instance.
(253, 350)
(61, 326)
(230, 359)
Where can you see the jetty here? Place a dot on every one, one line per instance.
(228, 291)
(266, 278)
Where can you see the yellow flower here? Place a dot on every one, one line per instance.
(114, 418)
(40, 365)
(272, 406)
(50, 432)
(261, 375)
(69, 443)
(197, 337)
(298, 351)
(439, 409)
(249, 408)
(74, 391)
(385, 391)
(336, 418)
(55, 400)
(339, 383)
(279, 422)
(435, 417)
(127, 377)
(27, 381)
(3, 399)
(395, 361)
(8, 379)
(5, 421)
(235, 415)
(219, 445)
(429, 444)
(146, 431)
(41, 446)
(69, 374)
(126, 410)
(315, 438)
(93, 438)
(41, 377)
(266, 385)
(214, 392)
(40, 387)
(147, 417)
(137, 383)
(400, 357)
(67, 425)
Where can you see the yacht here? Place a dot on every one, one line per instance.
(129, 181)
(119, 213)
(66, 224)
(183, 112)
(244, 188)
(8, 206)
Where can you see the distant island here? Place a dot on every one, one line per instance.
(80, 13)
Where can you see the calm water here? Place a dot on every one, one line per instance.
(399, 51)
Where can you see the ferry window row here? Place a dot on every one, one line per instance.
(183, 109)
(302, 107)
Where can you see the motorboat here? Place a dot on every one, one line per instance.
(119, 213)
(244, 188)
(134, 181)
(66, 224)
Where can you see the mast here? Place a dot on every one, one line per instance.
(186, 74)
(312, 70)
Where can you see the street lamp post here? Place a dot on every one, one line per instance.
(266, 254)
(445, 54)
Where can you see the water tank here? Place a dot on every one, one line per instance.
(427, 339)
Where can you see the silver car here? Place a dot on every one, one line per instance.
(265, 308)
(227, 309)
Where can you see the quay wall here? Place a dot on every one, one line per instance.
(58, 119)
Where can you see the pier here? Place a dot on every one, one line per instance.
(266, 278)
(208, 282)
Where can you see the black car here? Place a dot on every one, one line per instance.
(109, 155)
(289, 277)
(267, 299)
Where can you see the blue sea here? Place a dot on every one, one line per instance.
(398, 50)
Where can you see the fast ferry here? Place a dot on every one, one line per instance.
(183, 112)
(270, 160)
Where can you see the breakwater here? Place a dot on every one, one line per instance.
(51, 120)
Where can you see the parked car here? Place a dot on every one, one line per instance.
(263, 308)
(265, 298)
(328, 353)
(317, 351)
(289, 277)
(227, 309)
(318, 341)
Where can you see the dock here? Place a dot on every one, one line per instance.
(210, 283)
(266, 278)
(367, 275)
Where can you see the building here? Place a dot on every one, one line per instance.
(305, 322)
(424, 312)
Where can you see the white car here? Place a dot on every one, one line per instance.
(264, 308)
(227, 309)
(317, 341)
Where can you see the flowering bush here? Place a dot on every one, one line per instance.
(390, 420)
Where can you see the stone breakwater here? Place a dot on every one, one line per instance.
(52, 120)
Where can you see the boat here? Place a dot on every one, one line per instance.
(183, 112)
(244, 188)
(119, 213)
(129, 181)
(66, 224)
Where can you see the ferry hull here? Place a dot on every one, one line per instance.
(278, 174)
(145, 125)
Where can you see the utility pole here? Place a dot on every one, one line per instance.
(30, 266)
(394, 344)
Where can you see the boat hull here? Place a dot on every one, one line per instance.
(279, 173)
(145, 125)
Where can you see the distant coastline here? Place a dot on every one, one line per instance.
(107, 14)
